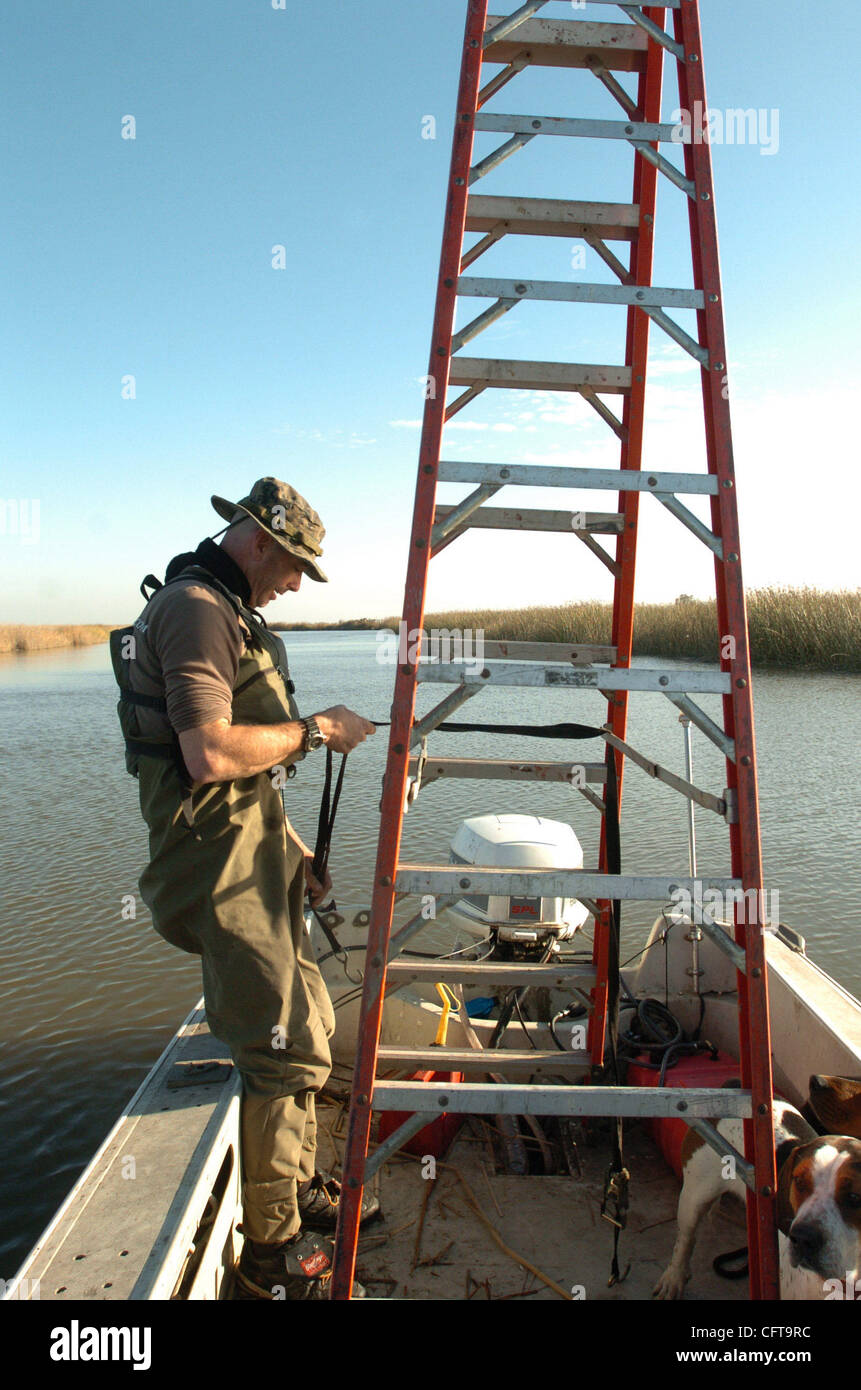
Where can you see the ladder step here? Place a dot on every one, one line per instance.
(485, 212)
(582, 652)
(570, 43)
(575, 127)
(500, 769)
(512, 375)
(494, 974)
(550, 475)
(579, 292)
(504, 1060)
(602, 678)
(537, 519)
(472, 1098)
(554, 883)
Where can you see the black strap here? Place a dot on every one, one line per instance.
(134, 697)
(326, 819)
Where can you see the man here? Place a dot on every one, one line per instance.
(212, 731)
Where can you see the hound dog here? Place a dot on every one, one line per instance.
(818, 1196)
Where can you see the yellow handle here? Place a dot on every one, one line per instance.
(448, 1003)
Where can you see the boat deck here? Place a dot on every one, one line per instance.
(476, 1233)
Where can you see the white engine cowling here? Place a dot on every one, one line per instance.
(517, 842)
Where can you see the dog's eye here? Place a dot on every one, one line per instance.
(853, 1199)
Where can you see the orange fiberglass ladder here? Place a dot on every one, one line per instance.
(637, 49)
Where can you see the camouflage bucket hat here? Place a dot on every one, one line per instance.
(280, 510)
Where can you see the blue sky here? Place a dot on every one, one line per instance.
(302, 127)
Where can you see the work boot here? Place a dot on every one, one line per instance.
(294, 1269)
(319, 1200)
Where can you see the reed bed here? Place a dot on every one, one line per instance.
(797, 629)
(18, 638)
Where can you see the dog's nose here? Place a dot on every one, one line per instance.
(807, 1239)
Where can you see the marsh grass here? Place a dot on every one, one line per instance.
(18, 638)
(799, 629)
(796, 629)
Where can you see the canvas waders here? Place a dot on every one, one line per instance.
(227, 883)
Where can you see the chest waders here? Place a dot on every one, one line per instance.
(227, 883)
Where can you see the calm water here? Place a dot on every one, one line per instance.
(90, 999)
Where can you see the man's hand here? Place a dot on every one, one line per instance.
(317, 892)
(343, 728)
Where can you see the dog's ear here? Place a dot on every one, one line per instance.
(785, 1160)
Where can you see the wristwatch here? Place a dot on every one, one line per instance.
(313, 737)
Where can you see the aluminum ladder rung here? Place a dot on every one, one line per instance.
(485, 212)
(512, 375)
(418, 879)
(492, 973)
(550, 677)
(570, 43)
(535, 519)
(526, 127)
(523, 1061)
(578, 653)
(551, 475)
(472, 1098)
(578, 292)
(508, 770)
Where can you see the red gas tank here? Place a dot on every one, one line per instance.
(698, 1070)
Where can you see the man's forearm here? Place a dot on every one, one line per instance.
(220, 751)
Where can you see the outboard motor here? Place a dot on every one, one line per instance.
(517, 842)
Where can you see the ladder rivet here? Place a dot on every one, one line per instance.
(449, 283)
(360, 1100)
(485, 675)
(386, 881)
(428, 468)
(663, 680)
(406, 670)
(441, 352)
(473, 43)
(420, 542)
(519, 289)
(719, 366)
(653, 482)
(706, 197)
(745, 762)
(766, 1192)
(757, 974)
(463, 882)
(442, 1101)
(398, 748)
(377, 962)
(727, 482)
(504, 473)
(459, 183)
(733, 557)
(713, 299)
(693, 57)
(536, 125)
(640, 294)
(741, 683)
(682, 1105)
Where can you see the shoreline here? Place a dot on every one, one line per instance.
(790, 629)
